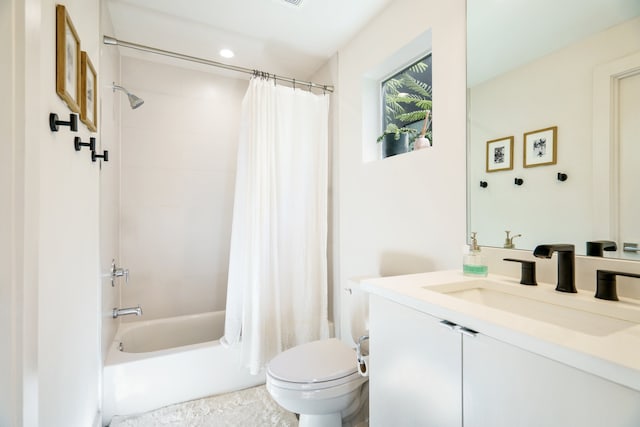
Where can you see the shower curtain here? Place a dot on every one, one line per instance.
(277, 285)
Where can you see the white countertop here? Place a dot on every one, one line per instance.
(615, 357)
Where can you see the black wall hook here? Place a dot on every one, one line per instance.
(484, 184)
(518, 181)
(78, 144)
(54, 123)
(104, 156)
(562, 177)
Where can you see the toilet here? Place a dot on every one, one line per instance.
(320, 380)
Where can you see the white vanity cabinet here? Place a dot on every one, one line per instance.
(425, 374)
(415, 368)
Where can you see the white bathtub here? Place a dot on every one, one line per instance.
(167, 361)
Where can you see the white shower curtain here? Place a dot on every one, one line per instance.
(277, 286)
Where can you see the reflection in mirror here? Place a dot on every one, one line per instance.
(534, 65)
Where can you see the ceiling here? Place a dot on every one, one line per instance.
(505, 34)
(269, 35)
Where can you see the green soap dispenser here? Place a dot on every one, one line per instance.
(473, 262)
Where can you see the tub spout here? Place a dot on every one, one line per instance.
(126, 311)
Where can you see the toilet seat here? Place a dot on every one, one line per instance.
(313, 366)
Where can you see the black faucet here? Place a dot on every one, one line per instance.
(606, 283)
(527, 271)
(566, 264)
(596, 247)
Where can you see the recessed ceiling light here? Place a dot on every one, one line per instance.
(294, 3)
(226, 53)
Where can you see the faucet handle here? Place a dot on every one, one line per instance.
(595, 247)
(118, 272)
(528, 271)
(606, 283)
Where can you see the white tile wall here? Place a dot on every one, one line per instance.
(178, 174)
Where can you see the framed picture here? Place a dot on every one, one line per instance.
(67, 60)
(540, 147)
(88, 90)
(500, 154)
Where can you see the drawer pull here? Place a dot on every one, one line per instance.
(468, 332)
(449, 325)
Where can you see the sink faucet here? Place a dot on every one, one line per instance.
(125, 311)
(566, 264)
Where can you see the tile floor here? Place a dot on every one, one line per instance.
(252, 407)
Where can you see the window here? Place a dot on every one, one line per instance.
(407, 99)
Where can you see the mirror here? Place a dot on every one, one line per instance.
(535, 65)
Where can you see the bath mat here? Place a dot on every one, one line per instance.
(249, 407)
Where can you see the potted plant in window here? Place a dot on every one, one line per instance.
(395, 140)
(408, 99)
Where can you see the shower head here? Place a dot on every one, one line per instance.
(134, 101)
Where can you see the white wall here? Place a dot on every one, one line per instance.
(54, 290)
(109, 120)
(178, 174)
(406, 213)
(7, 221)
(556, 90)
(68, 289)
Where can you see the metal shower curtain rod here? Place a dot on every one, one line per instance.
(115, 42)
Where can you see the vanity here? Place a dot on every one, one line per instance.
(451, 350)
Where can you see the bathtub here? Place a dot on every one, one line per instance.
(155, 363)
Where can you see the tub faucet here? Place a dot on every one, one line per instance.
(566, 264)
(126, 311)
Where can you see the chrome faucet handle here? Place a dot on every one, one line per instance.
(118, 272)
(630, 247)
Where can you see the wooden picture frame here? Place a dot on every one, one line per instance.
(500, 154)
(89, 92)
(540, 147)
(67, 60)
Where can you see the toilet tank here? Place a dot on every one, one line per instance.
(354, 311)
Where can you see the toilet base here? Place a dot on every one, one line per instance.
(324, 420)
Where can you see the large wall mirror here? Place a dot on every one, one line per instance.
(572, 65)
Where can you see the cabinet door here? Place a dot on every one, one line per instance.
(415, 368)
(505, 386)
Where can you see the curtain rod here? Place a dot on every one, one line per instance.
(115, 42)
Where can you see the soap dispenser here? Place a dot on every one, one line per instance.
(473, 263)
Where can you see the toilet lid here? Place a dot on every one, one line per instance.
(313, 362)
